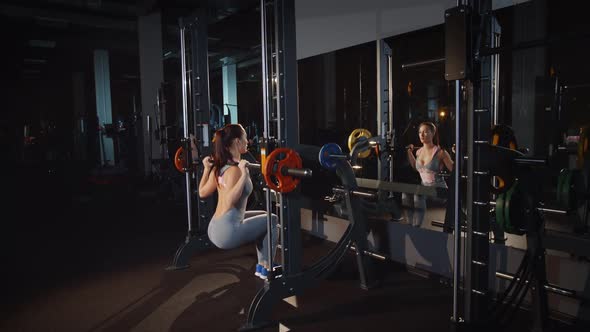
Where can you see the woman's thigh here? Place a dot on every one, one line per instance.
(253, 213)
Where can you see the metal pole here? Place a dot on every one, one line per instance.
(422, 63)
(160, 122)
(187, 175)
(457, 209)
(266, 116)
(277, 76)
(148, 119)
(390, 111)
(496, 80)
(264, 69)
(383, 78)
(540, 209)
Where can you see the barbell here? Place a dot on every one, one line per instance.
(571, 194)
(330, 155)
(571, 188)
(504, 148)
(503, 136)
(179, 162)
(357, 135)
(282, 170)
(509, 212)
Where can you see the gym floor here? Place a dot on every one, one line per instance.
(93, 258)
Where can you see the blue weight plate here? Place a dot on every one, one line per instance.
(325, 154)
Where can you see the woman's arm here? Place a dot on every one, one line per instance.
(194, 149)
(207, 185)
(411, 157)
(447, 161)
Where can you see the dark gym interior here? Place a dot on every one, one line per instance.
(101, 96)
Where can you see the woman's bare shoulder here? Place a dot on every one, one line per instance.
(443, 152)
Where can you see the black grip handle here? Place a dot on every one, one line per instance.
(254, 166)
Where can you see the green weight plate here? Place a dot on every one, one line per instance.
(510, 196)
(514, 214)
(500, 211)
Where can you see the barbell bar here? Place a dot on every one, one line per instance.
(371, 253)
(549, 287)
(282, 170)
(360, 193)
(296, 172)
(540, 209)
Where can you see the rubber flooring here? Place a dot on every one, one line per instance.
(96, 259)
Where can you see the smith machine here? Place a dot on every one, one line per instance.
(280, 166)
(281, 128)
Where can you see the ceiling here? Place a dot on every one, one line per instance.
(57, 35)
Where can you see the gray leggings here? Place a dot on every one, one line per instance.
(415, 207)
(230, 231)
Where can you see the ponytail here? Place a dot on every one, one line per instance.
(222, 140)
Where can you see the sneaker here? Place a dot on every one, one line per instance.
(259, 269)
(263, 274)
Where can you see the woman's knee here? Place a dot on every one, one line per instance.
(419, 202)
(407, 201)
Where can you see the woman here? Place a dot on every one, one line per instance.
(429, 161)
(228, 174)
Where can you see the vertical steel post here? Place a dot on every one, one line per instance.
(187, 175)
